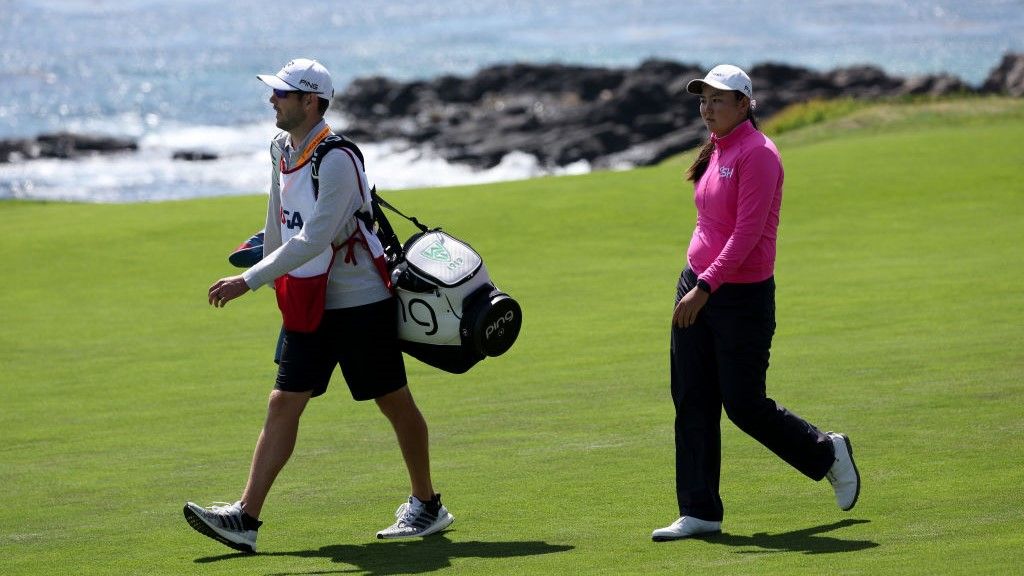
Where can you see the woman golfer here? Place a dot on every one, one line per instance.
(724, 317)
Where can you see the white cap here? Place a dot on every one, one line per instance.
(723, 77)
(304, 75)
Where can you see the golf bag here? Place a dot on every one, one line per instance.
(452, 315)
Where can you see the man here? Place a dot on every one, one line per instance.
(358, 330)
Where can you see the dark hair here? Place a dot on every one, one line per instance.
(321, 103)
(700, 164)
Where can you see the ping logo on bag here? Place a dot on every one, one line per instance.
(499, 324)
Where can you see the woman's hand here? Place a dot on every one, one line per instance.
(686, 310)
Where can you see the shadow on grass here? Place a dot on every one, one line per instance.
(406, 556)
(808, 540)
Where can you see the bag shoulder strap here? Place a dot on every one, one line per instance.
(375, 220)
(330, 143)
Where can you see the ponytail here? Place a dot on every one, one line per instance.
(701, 163)
(752, 118)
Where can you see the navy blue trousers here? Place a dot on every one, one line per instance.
(721, 361)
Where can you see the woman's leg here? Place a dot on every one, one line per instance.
(698, 413)
(743, 321)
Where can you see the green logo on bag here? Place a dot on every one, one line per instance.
(437, 252)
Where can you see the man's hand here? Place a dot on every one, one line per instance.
(686, 310)
(226, 290)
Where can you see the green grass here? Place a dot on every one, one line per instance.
(818, 120)
(804, 114)
(901, 322)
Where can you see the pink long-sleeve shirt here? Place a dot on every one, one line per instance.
(738, 201)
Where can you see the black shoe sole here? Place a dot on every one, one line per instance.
(199, 525)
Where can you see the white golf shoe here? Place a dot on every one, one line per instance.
(686, 527)
(224, 523)
(417, 518)
(843, 474)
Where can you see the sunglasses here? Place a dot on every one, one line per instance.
(282, 94)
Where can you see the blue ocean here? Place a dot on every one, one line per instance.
(180, 74)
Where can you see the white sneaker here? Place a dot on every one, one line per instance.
(417, 518)
(224, 523)
(843, 474)
(685, 527)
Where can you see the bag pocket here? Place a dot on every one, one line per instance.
(301, 301)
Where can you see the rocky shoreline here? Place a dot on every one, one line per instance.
(562, 114)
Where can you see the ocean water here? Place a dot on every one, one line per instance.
(180, 74)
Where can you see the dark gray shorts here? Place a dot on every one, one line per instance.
(362, 340)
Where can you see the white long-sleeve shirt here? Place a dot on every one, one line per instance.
(333, 221)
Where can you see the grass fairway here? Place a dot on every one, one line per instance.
(901, 322)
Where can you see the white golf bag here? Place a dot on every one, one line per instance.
(452, 315)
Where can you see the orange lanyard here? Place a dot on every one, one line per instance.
(309, 148)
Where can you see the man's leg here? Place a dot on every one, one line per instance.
(411, 430)
(274, 447)
(423, 514)
(235, 525)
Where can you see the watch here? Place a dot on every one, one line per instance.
(703, 285)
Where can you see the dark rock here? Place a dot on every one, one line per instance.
(18, 149)
(449, 88)
(559, 113)
(70, 145)
(779, 85)
(401, 99)
(193, 155)
(653, 151)
(562, 114)
(639, 95)
(369, 96)
(649, 126)
(933, 85)
(1008, 77)
(63, 145)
